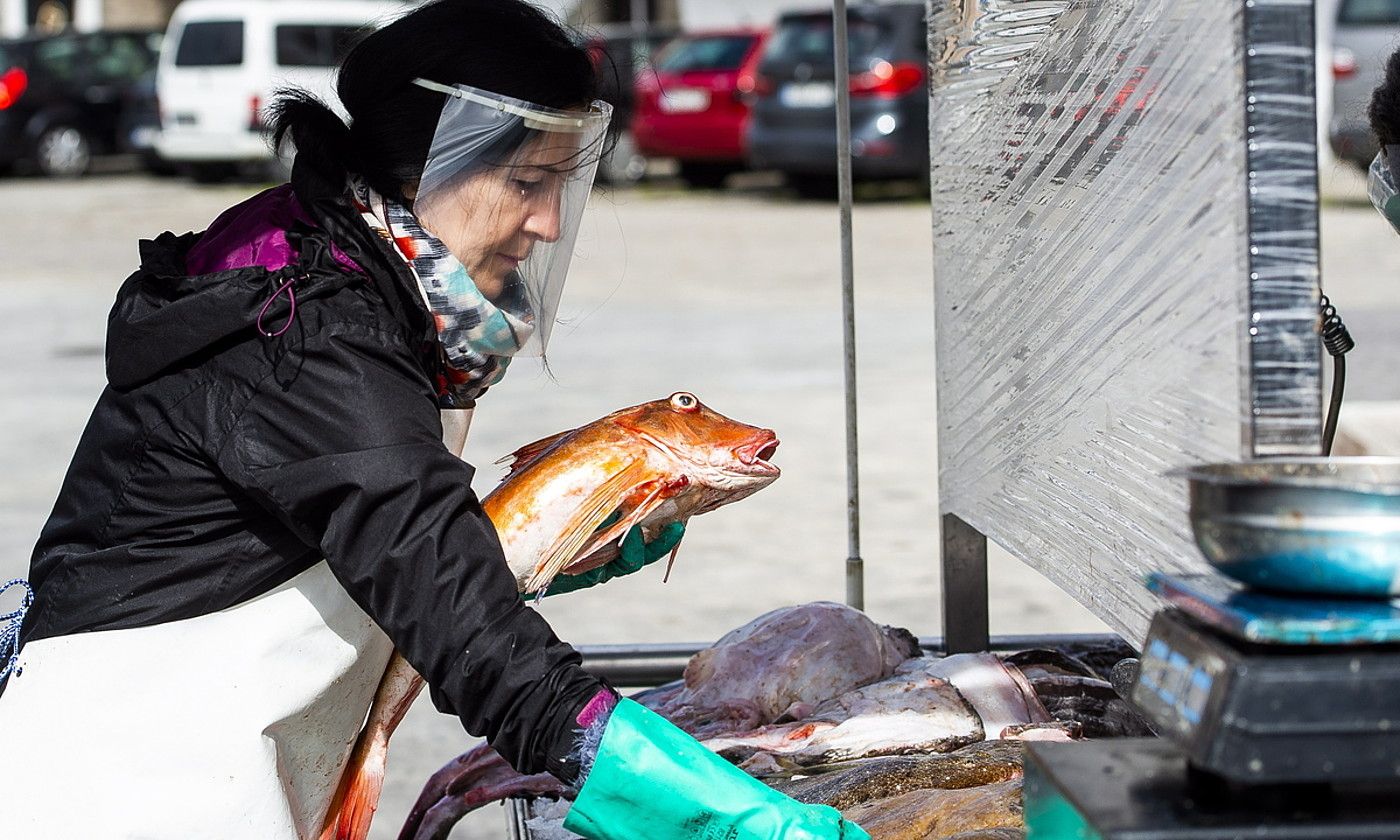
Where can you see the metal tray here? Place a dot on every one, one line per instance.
(1325, 526)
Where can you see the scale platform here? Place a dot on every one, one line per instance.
(1143, 789)
(1267, 618)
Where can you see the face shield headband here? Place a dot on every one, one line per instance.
(1383, 186)
(504, 189)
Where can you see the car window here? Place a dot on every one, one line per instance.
(314, 45)
(120, 57)
(811, 40)
(210, 43)
(721, 52)
(1362, 12)
(59, 58)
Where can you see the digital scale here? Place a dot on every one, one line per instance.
(1279, 717)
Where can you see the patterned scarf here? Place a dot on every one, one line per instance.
(478, 337)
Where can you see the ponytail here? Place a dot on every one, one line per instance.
(313, 128)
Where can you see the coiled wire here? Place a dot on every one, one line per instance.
(1338, 341)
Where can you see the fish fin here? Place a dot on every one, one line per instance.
(618, 530)
(671, 561)
(599, 505)
(356, 800)
(362, 780)
(531, 452)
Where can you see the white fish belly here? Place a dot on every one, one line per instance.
(527, 533)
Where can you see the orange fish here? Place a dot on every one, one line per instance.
(569, 499)
(563, 508)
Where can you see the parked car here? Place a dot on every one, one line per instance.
(620, 56)
(793, 124)
(225, 60)
(62, 96)
(692, 105)
(139, 124)
(1366, 34)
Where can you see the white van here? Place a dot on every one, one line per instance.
(224, 61)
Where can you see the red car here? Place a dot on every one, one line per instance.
(693, 105)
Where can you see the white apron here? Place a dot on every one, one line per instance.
(234, 725)
(230, 726)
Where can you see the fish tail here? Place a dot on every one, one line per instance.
(355, 802)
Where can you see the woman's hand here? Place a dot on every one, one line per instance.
(635, 554)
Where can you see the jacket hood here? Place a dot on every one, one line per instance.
(195, 291)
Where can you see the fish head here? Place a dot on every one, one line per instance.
(713, 451)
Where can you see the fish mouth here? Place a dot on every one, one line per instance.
(755, 455)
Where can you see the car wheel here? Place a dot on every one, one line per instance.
(63, 152)
(706, 176)
(158, 166)
(212, 173)
(822, 187)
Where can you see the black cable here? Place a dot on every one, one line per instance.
(1339, 379)
(1338, 342)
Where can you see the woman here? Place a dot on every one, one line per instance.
(1383, 178)
(262, 505)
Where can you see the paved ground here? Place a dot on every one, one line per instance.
(732, 295)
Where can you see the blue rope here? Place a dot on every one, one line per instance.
(10, 624)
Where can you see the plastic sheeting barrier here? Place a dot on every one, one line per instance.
(1125, 263)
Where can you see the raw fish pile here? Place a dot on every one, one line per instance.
(829, 707)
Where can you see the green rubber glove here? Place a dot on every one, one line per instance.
(651, 780)
(635, 555)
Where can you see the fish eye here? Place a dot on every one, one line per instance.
(684, 402)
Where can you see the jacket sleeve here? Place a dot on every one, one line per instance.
(344, 447)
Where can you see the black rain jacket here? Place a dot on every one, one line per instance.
(220, 463)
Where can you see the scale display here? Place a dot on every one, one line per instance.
(1272, 714)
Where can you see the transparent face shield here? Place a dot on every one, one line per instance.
(1381, 186)
(504, 189)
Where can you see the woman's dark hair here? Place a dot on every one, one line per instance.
(1385, 104)
(505, 46)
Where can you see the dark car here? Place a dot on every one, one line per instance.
(62, 96)
(793, 124)
(139, 125)
(693, 106)
(620, 55)
(1366, 34)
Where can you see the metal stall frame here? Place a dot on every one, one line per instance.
(1280, 197)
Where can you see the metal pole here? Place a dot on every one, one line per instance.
(855, 566)
(964, 587)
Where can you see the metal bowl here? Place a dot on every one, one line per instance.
(1312, 525)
